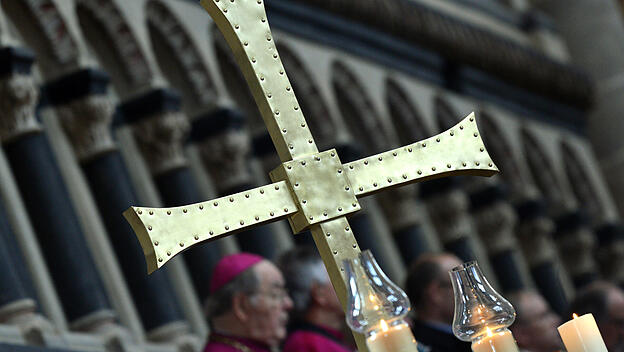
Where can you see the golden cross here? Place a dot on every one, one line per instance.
(313, 189)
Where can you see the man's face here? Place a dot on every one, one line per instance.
(612, 330)
(268, 311)
(444, 297)
(538, 329)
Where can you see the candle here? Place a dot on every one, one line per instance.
(581, 334)
(499, 341)
(397, 338)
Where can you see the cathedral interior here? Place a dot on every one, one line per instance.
(112, 103)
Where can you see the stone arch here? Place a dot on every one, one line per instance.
(357, 109)
(580, 182)
(235, 82)
(44, 29)
(445, 114)
(312, 104)
(178, 57)
(541, 169)
(405, 116)
(502, 153)
(113, 41)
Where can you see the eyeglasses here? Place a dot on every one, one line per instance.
(277, 294)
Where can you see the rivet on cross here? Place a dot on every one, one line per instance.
(312, 189)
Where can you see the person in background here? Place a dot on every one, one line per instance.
(535, 327)
(606, 302)
(430, 291)
(317, 320)
(248, 305)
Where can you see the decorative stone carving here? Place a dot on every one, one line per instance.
(194, 70)
(18, 97)
(576, 249)
(535, 239)
(87, 123)
(399, 207)
(226, 157)
(448, 211)
(160, 139)
(128, 48)
(495, 223)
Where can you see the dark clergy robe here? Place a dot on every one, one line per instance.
(306, 337)
(438, 338)
(223, 343)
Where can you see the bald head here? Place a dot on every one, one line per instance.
(535, 327)
(429, 288)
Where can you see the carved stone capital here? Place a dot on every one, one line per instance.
(160, 139)
(535, 239)
(576, 249)
(18, 98)
(87, 123)
(448, 211)
(399, 207)
(612, 261)
(226, 156)
(495, 224)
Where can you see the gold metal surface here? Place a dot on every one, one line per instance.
(246, 29)
(165, 232)
(456, 151)
(310, 180)
(311, 184)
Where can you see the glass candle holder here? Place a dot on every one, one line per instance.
(482, 315)
(376, 306)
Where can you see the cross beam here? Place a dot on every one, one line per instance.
(313, 190)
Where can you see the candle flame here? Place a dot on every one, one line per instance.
(574, 316)
(384, 326)
(489, 332)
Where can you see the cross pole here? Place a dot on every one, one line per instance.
(312, 189)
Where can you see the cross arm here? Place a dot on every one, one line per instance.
(165, 232)
(456, 151)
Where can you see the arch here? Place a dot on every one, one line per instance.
(445, 114)
(178, 58)
(312, 105)
(43, 28)
(357, 110)
(113, 41)
(236, 84)
(541, 170)
(405, 116)
(581, 184)
(501, 152)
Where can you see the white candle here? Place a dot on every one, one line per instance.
(398, 338)
(499, 341)
(581, 334)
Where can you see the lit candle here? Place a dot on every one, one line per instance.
(581, 334)
(499, 341)
(397, 338)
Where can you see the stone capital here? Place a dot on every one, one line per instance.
(535, 239)
(87, 123)
(496, 223)
(160, 138)
(226, 156)
(18, 98)
(448, 210)
(399, 207)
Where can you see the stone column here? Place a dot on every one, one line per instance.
(534, 231)
(577, 244)
(448, 207)
(594, 33)
(160, 130)
(51, 212)
(495, 219)
(224, 145)
(611, 251)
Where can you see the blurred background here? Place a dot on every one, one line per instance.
(112, 103)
